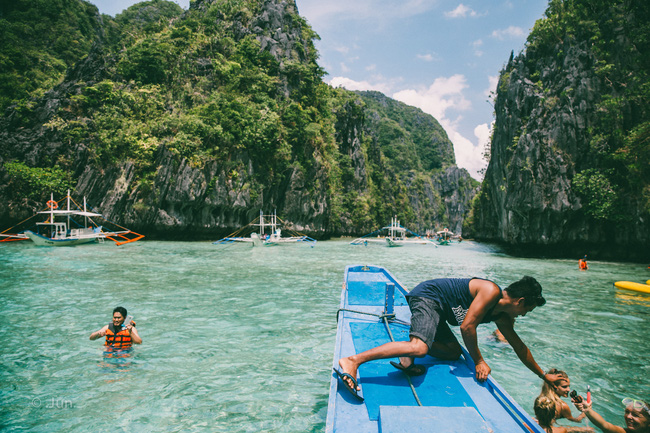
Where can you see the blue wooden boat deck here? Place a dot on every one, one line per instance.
(452, 400)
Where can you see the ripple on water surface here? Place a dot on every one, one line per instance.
(241, 339)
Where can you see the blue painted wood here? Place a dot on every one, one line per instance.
(448, 388)
(432, 419)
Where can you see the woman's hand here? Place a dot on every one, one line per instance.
(582, 406)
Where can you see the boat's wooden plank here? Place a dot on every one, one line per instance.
(431, 419)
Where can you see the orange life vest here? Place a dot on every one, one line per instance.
(582, 264)
(120, 339)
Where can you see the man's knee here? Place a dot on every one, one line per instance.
(418, 347)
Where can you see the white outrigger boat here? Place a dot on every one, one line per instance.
(444, 236)
(255, 233)
(74, 225)
(394, 235)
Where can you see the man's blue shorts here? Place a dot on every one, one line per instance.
(427, 322)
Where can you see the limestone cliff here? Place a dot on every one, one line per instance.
(562, 177)
(186, 124)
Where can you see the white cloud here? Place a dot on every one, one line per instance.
(425, 57)
(442, 98)
(461, 11)
(494, 82)
(511, 32)
(443, 94)
(351, 84)
(477, 44)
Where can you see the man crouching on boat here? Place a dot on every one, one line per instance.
(464, 302)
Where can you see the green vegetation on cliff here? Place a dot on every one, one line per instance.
(230, 89)
(617, 34)
(39, 40)
(571, 140)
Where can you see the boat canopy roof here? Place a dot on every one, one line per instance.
(64, 212)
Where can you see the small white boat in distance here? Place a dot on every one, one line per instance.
(265, 231)
(74, 225)
(393, 235)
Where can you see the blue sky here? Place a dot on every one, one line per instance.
(442, 56)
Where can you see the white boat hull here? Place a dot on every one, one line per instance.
(61, 242)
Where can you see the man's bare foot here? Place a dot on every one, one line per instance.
(350, 367)
(406, 362)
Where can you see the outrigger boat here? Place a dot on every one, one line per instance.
(255, 233)
(74, 225)
(447, 398)
(394, 235)
(444, 236)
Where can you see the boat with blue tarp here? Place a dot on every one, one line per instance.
(448, 398)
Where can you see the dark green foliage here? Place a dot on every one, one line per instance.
(618, 34)
(36, 183)
(410, 137)
(39, 40)
(216, 85)
(597, 191)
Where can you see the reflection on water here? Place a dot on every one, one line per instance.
(240, 339)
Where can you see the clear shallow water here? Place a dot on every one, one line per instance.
(241, 339)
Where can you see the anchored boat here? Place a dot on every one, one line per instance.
(448, 398)
(394, 235)
(265, 231)
(444, 236)
(73, 225)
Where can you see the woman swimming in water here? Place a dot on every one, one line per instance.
(637, 417)
(561, 388)
(545, 411)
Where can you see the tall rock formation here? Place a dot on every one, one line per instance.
(572, 121)
(186, 124)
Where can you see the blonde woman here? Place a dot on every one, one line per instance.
(560, 388)
(545, 411)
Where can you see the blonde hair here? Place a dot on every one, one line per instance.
(549, 392)
(545, 412)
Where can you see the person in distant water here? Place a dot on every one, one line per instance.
(465, 302)
(498, 336)
(637, 416)
(582, 264)
(546, 410)
(117, 335)
(560, 388)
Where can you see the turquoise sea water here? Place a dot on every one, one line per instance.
(240, 339)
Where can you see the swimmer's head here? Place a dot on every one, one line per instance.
(637, 405)
(529, 289)
(637, 415)
(119, 314)
(560, 386)
(544, 410)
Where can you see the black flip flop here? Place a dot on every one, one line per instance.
(411, 370)
(343, 377)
